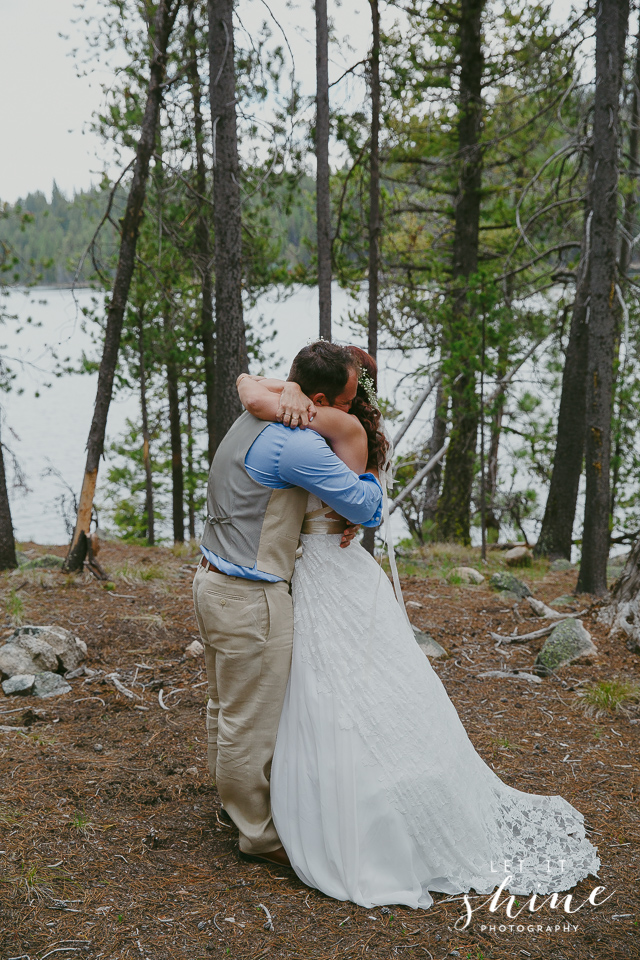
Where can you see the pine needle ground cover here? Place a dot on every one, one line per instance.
(111, 844)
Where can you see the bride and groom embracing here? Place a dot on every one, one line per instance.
(333, 743)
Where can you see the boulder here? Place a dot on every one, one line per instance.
(194, 649)
(20, 683)
(69, 649)
(46, 562)
(507, 581)
(26, 654)
(566, 601)
(50, 685)
(566, 643)
(518, 557)
(467, 575)
(561, 564)
(430, 647)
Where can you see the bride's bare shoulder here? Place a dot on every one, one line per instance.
(332, 423)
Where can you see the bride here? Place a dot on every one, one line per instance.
(377, 793)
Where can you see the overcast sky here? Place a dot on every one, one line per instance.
(45, 109)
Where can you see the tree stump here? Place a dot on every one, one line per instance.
(623, 611)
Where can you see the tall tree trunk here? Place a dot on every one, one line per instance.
(626, 251)
(191, 507)
(203, 252)
(175, 435)
(611, 30)
(323, 197)
(631, 205)
(438, 435)
(495, 433)
(146, 449)
(231, 346)
(374, 182)
(454, 506)
(554, 540)
(159, 34)
(8, 558)
(368, 538)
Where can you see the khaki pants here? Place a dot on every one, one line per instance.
(247, 632)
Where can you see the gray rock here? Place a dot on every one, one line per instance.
(69, 649)
(510, 595)
(50, 685)
(620, 561)
(430, 647)
(507, 581)
(26, 654)
(561, 564)
(467, 575)
(22, 558)
(20, 683)
(518, 557)
(566, 643)
(46, 562)
(566, 601)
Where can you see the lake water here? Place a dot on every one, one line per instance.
(46, 427)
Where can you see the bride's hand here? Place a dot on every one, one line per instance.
(295, 409)
(349, 531)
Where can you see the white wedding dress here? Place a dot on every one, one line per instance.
(377, 793)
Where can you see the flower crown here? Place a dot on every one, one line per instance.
(365, 381)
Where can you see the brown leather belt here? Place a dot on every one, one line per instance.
(209, 566)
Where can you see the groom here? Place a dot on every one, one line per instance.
(256, 499)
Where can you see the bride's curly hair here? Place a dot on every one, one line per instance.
(367, 414)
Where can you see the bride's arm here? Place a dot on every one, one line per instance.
(267, 399)
(274, 400)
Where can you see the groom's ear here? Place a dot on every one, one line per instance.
(319, 399)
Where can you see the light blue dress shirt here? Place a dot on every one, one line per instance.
(281, 457)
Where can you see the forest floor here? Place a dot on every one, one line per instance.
(110, 841)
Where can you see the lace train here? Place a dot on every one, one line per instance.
(377, 792)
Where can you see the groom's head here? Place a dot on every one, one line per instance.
(327, 373)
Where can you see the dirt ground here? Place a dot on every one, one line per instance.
(110, 843)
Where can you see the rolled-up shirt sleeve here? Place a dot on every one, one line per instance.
(307, 461)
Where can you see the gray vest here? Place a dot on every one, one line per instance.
(248, 523)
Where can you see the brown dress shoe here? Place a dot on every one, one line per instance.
(277, 857)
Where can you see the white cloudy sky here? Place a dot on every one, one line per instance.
(45, 109)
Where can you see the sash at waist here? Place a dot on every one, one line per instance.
(323, 525)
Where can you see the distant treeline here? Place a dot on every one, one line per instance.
(49, 240)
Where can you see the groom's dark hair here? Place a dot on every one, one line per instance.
(322, 367)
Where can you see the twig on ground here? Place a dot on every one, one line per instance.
(269, 922)
(514, 638)
(121, 688)
(83, 699)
